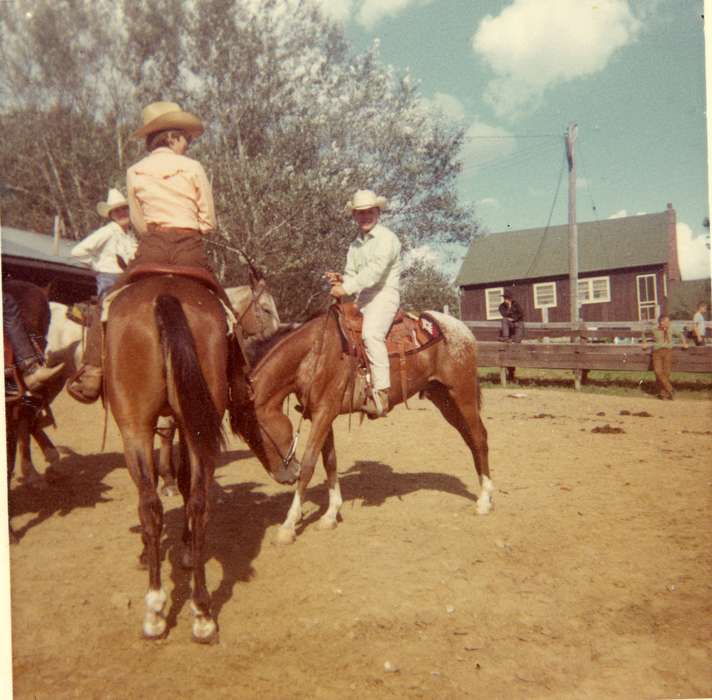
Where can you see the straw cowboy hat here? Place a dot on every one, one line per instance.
(365, 199)
(113, 201)
(160, 116)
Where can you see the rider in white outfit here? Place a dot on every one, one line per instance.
(373, 268)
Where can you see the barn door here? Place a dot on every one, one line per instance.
(647, 297)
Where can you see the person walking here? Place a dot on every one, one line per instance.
(171, 209)
(372, 273)
(100, 249)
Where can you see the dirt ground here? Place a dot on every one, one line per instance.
(591, 578)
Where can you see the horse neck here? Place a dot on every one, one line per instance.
(276, 374)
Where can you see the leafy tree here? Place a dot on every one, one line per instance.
(296, 122)
(426, 287)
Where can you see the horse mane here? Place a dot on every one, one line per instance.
(258, 350)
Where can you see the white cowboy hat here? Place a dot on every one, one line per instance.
(160, 116)
(113, 201)
(365, 199)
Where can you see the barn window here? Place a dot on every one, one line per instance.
(493, 298)
(545, 295)
(594, 290)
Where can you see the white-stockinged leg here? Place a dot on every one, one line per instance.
(287, 530)
(328, 520)
(484, 502)
(204, 628)
(154, 623)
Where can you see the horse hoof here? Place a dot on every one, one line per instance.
(212, 637)
(35, 481)
(285, 535)
(51, 454)
(484, 508)
(326, 524)
(154, 631)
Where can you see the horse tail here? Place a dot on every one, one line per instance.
(200, 418)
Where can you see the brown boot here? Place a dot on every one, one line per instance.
(36, 376)
(85, 386)
(377, 404)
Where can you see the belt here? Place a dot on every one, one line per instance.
(157, 228)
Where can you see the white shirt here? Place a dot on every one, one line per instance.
(699, 321)
(373, 261)
(99, 249)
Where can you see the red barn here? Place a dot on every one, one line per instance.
(625, 268)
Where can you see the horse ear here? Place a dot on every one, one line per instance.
(255, 276)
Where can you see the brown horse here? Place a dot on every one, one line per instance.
(20, 413)
(167, 353)
(258, 317)
(310, 362)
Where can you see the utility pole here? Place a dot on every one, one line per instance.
(569, 139)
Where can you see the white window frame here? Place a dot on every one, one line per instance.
(538, 286)
(588, 298)
(495, 316)
(651, 304)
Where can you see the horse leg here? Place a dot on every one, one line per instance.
(184, 488)
(205, 630)
(138, 449)
(321, 427)
(166, 468)
(459, 407)
(49, 451)
(328, 455)
(11, 445)
(30, 475)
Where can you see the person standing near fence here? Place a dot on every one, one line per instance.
(102, 248)
(663, 341)
(698, 324)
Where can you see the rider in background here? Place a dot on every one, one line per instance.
(27, 355)
(101, 248)
(171, 208)
(372, 272)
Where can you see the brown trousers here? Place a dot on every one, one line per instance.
(662, 366)
(159, 246)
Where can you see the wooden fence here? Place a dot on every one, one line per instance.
(587, 352)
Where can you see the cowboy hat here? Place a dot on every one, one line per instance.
(365, 199)
(160, 116)
(113, 201)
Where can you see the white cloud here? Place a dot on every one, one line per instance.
(373, 11)
(693, 253)
(485, 143)
(425, 254)
(488, 202)
(535, 44)
(447, 104)
(338, 10)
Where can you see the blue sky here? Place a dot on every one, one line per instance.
(515, 73)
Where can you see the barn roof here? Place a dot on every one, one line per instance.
(37, 246)
(631, 241)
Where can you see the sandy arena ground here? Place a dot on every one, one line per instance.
(592, 577)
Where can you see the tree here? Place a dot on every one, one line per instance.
(295, 124)
(426, 287)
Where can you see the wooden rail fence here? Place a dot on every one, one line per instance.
(587, 353)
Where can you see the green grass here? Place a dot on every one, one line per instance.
(691, 385)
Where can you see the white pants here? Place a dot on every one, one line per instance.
(379, 309)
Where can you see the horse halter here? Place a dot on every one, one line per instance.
(259, 311)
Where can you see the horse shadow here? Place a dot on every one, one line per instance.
(241, 515)
(76, 482)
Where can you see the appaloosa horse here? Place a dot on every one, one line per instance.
(311, 363)
(168, 353)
